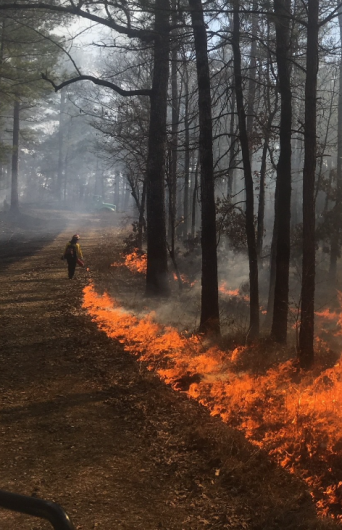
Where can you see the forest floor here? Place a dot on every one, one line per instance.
(84, 424)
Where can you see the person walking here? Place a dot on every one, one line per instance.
(73, 255)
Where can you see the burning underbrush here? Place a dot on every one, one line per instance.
(184, 309)
(135, 261)
(294, 416)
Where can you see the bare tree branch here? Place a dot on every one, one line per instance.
(101, 82)
(332, 15)
(76, 10)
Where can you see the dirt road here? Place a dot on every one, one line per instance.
(83, 424)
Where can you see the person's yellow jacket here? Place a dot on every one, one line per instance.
(78, 249)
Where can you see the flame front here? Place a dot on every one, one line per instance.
(295, 417)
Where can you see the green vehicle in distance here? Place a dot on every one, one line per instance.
(99, 206)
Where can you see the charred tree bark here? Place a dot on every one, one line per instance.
(14, 208)
(210, 321)
(306, 334)
(283, 198)
(157, 283)
(254, 324)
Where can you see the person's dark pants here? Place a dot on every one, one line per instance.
(71, 267)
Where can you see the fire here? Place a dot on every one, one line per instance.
(135, 262)
(329, 321)
(328, 315)
(296, 417)
(229, 292)
(223, 289)
(184, 279)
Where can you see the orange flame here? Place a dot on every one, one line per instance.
(223, 289)
(135, 262)
(296, 417)
(184, 279)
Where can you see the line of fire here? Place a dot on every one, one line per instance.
(293, 415)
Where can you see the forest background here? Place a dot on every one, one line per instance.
(218, 123)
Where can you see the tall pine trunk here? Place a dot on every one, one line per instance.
(157, 283)
(59, 185)
(186, 152)
(251, 78)
(186, 170)
(194, 203)
(261, 205)
(232, 148)
(306, 334)
(210, 322)
(263, 165)
(174, 138)
(15, 158)
(254, 323)
(283, 198)
(270, 301)
(337, 217)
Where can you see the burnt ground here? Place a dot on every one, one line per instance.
(84, 424)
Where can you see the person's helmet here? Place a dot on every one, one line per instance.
(75, 237)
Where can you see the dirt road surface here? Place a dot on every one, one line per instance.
(83, 424)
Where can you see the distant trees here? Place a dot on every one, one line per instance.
(25, 50)
(158, 33)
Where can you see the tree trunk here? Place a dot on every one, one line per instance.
(157, 283)
(335, 246)
(306, 334)
(15, 159)
(186, 155)
(174, 139)
(251, 78)
(116, 199)
(253, 331)
(263, 166)
(2, 44)
(194, 203)
(232, 148)
(60, 148)
(140, 204)
(210, 321)
(283, 200)
(270, 302)
(261, 205)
